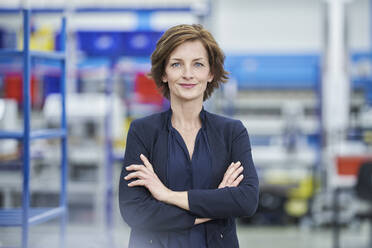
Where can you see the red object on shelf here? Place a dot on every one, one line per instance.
(13, 87)
(147, 90)
(349, 165)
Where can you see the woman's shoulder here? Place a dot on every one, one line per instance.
(222, 120)
(225, 126)
(152, 121)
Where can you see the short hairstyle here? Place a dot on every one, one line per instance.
(178, 35)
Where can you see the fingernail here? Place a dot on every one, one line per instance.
(125, 177)
(127, 167)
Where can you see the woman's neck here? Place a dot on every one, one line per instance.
(185, 116)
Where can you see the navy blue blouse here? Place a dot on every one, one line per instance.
(153, 222)
(187, 173)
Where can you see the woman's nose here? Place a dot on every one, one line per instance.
(187, 72)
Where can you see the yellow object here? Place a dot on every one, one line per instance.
(296, 207)
(367, 137)
(297, 203)
(304, 190)
(120, 144)
(41, 40)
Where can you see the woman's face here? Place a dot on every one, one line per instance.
(187, 72)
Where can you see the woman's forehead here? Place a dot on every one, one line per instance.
(189, 49)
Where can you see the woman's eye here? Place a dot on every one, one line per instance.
(175, 64)
(197, 64)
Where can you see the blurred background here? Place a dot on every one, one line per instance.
(73, 77)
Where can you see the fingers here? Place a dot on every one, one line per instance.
(232, 177)
(137, 174)
(137, 167)
(201, 220)
(134, 167)
(230, 171)
(141, 173)
(137, 183)
(237, 181)
(226, 175)
(146, 162)
(232, 168)
(235, 174)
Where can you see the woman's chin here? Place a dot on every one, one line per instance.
(188, 97)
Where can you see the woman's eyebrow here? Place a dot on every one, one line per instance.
(179, 59)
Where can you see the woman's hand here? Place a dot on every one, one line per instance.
(232, 176)
(201, 220)
(144, 175)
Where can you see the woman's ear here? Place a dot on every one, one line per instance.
(210, 78)
(164, 79)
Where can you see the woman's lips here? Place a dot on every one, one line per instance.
(188, 86)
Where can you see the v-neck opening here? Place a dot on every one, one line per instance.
(182, 142)
(180, 138)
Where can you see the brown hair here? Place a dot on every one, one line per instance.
(176, 36)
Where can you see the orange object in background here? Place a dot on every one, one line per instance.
(147, 91)
(13, 88)
(349, 165)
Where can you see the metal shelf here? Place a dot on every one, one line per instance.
(10, 53)
(11, 135)
(13, 217)
(48, 55)
(48, 134)
(33, 54)
(35, 134)
(27, 215)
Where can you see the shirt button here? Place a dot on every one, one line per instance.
(221, 236)
(150, 241)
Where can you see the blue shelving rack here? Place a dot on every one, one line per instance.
(26, 215)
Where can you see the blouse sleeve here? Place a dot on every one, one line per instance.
(137, 206)
(230, 201)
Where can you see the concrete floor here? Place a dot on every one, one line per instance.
(87, 236)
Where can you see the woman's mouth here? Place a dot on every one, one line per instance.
(188, 86)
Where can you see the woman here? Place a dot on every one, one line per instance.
(187, 173)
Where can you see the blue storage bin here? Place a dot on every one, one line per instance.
(274, 71)
(140, 43)
(100, 43)
(115, 43)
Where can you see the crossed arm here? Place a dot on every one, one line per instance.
(145, 176)
(145, 202)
